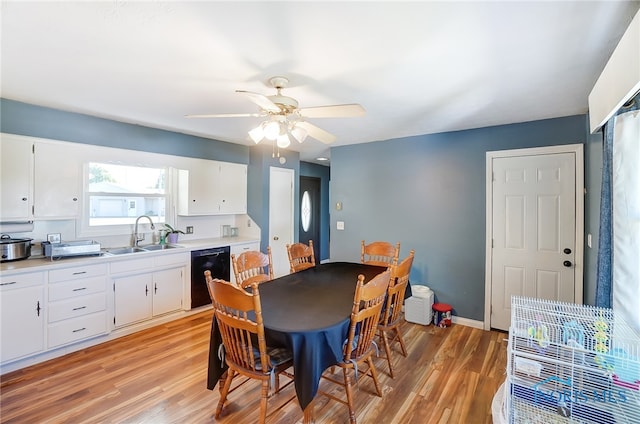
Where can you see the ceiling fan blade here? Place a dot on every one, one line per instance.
(224, 115)
(261, 100)
(335, 111)
(317, 133)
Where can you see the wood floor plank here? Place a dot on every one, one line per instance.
(450, 375)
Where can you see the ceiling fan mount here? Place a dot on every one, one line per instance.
(285, 110)
(287, 104)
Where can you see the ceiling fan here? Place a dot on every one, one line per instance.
(284, 119)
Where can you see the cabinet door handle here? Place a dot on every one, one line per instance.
(79, 273)
(81, 307)
(79, 329)
(38, 308)
(8, 283)
(79, 289)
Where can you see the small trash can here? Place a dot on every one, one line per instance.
(417, 308)
(442, 314)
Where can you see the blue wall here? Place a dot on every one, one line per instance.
(428, 192)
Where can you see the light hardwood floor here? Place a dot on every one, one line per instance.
(159, 376)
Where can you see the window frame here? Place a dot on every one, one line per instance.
(84, 226)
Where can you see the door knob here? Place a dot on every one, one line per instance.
(567, 263)
(276, 238)
(567, 250)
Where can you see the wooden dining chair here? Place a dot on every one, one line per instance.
(379, 253)
(238, 315)
(359, 347)
(252, 267)
(392, 316)
(301, 256)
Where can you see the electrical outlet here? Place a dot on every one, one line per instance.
(189, 229)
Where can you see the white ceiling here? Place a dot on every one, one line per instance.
(416, 67)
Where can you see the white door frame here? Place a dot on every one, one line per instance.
(578, 150)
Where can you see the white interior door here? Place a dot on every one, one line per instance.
(280, 217)
(533, 231)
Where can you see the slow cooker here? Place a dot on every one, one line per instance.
(14, 249)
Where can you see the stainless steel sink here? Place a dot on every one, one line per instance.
(153, 247)
(125, 250)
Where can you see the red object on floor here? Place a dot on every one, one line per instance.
(442, 314)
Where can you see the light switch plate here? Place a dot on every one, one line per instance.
(340, 225)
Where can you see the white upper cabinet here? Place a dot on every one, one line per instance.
(212, 188)
(16, 178)
(58, 180)
(232, 188)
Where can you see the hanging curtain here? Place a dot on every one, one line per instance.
(604, 276)
(618, 277)
(626, 214)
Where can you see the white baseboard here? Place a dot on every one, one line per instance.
(468, 322)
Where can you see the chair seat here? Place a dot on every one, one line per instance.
(277, 356)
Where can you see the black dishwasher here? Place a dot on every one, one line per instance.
(217, 260)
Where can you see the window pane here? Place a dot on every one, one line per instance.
(109, 178)
(305, 211)
(118, 210)
(119, 193)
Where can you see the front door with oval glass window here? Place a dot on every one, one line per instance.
(309, 228)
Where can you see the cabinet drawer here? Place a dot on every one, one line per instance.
(17, 281)
(76, 307)
(119, 267)
(76, 288)
(77, 272)
(75, 329)
(180, 259)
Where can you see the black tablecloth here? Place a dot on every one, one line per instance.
(308, 312)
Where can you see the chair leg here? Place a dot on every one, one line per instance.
(374, 374)
(387, 350)
(399, 335)
(349, 391)
(225, 391)
(263, 401)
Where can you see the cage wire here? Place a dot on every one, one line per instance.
(571, 363)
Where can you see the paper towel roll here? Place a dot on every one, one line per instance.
(16, 227)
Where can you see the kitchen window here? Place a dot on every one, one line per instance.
(117, 194)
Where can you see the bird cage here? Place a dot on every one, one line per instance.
(571, 363)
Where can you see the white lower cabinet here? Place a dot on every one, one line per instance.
(21, 315)
(132, 295)
(167, 291)
(66, 304)
(77, 304)
(140, 296)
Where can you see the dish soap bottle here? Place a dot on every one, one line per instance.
(163, 237)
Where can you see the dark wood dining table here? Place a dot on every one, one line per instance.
(307, 312)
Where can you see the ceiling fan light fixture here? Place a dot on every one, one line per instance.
(299, 133)
(271, 129)
(257, 134)
(283, 141)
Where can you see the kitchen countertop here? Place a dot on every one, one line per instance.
(35, 262)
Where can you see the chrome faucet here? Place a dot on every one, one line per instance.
(136, 237)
